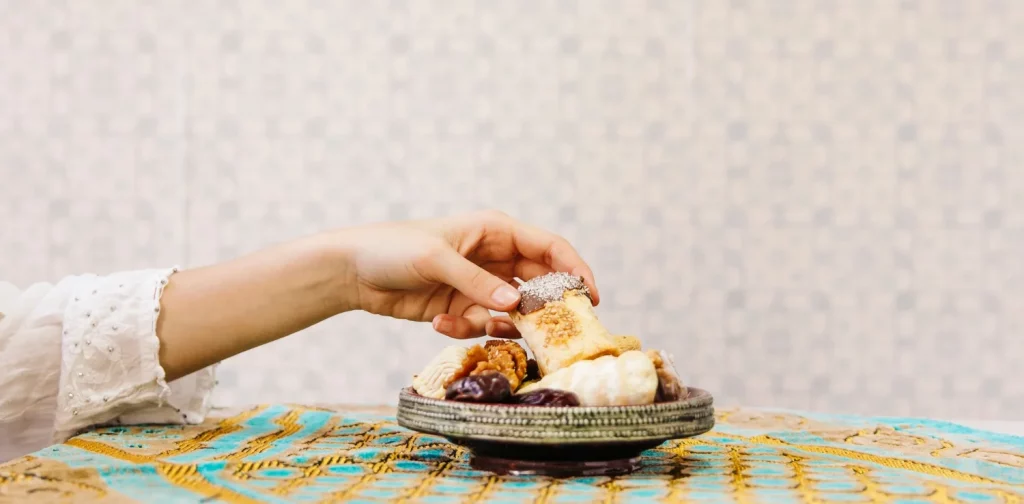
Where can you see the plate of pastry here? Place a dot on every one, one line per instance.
(587, 402)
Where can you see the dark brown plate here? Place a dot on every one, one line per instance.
(511, 439)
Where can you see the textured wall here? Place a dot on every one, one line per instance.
(813, 204)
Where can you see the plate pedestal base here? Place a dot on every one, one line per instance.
(554, 468)
(597, 459)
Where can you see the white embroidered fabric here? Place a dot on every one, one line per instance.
(85, 352)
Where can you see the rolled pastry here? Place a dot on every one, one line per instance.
(556, 319)
(626, 343)
(452, 363)
(626, 380)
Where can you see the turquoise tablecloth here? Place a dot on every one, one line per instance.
(299, 454)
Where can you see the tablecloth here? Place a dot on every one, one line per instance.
(285, 453)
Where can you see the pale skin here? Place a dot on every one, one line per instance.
(453, 272)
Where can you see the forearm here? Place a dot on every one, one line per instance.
(212, 313)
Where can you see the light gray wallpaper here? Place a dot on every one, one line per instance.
(812, 204)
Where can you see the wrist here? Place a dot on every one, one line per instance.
(341, 279)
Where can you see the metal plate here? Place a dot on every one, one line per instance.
(557, 433)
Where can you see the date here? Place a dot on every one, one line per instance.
(489, 387)
(669, 391)
(548, 397)
(532, 371)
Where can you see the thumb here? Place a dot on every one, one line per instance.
(479, 285)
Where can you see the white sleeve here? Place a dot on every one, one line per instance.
(85, 352)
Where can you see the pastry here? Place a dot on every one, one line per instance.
(626, 343)
(556, 319)
(505, 357)
(670, 386)
(450, 364)
(626, 380)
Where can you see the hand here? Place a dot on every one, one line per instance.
(453, 271)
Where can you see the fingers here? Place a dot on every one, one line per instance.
(502, 327)
(535, 244)
(553, 250)
(447, 266)
(475, 322)
(522, 268)
(527, 269)
(471, 324)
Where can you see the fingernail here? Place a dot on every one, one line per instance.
(505, 295)
(443, 325)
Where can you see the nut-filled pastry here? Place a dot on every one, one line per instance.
(626, 380)
(505, 357)
(556, 318)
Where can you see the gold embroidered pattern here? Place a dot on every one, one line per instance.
(318, 455)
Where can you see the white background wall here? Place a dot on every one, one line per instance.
(812, 204)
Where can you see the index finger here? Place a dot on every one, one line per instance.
(548, 248)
